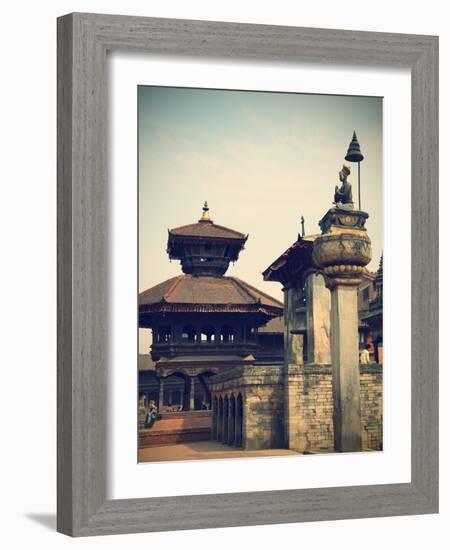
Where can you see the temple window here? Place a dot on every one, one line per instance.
(164, 334)
(188, 333)
(226, 334)
(207, 334)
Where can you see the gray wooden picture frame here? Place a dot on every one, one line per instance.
(83, 41)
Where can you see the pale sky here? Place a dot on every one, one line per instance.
(261, 160)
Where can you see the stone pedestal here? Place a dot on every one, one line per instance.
(318, 320)
(342, 251)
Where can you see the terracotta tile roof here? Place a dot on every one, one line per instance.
(189, 293)
(293, 260)
(274, 326)
(207, 229)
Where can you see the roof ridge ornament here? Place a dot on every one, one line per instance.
(205, 216)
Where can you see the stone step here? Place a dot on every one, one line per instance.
(177, 428)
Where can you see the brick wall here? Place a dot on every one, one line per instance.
(309, 408)
(263, 417)
(371, 379)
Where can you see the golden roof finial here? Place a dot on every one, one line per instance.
(205, 216)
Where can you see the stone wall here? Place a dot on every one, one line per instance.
(292, 406)
(263, 412)
(309, 408)
(371, 381)
(261, 388)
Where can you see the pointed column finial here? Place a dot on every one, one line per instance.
(354, 150)
(354, 155)
(205, 216)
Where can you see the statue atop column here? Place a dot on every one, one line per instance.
(343, 195)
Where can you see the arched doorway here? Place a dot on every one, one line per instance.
(174, 393)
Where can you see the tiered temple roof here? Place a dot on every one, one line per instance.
(188, 293)
(205, 251)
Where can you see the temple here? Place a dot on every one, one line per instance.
(202, 323)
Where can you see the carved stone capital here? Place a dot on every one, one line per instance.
(343, 252)
(343, 248)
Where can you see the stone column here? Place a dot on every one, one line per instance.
(317, 320)
(345, 360)
(342, 251)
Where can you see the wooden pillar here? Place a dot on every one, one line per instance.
(161, 394)
(192, 393)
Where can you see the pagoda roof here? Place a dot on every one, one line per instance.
(274, 326)
(292, 264)
(187, 293)
(207, 229)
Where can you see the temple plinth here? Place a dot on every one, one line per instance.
(342, 251)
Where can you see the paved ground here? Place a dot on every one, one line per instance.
(202, 450)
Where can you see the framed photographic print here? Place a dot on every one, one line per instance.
(247, 274)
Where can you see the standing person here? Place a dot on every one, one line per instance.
(364, 357)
